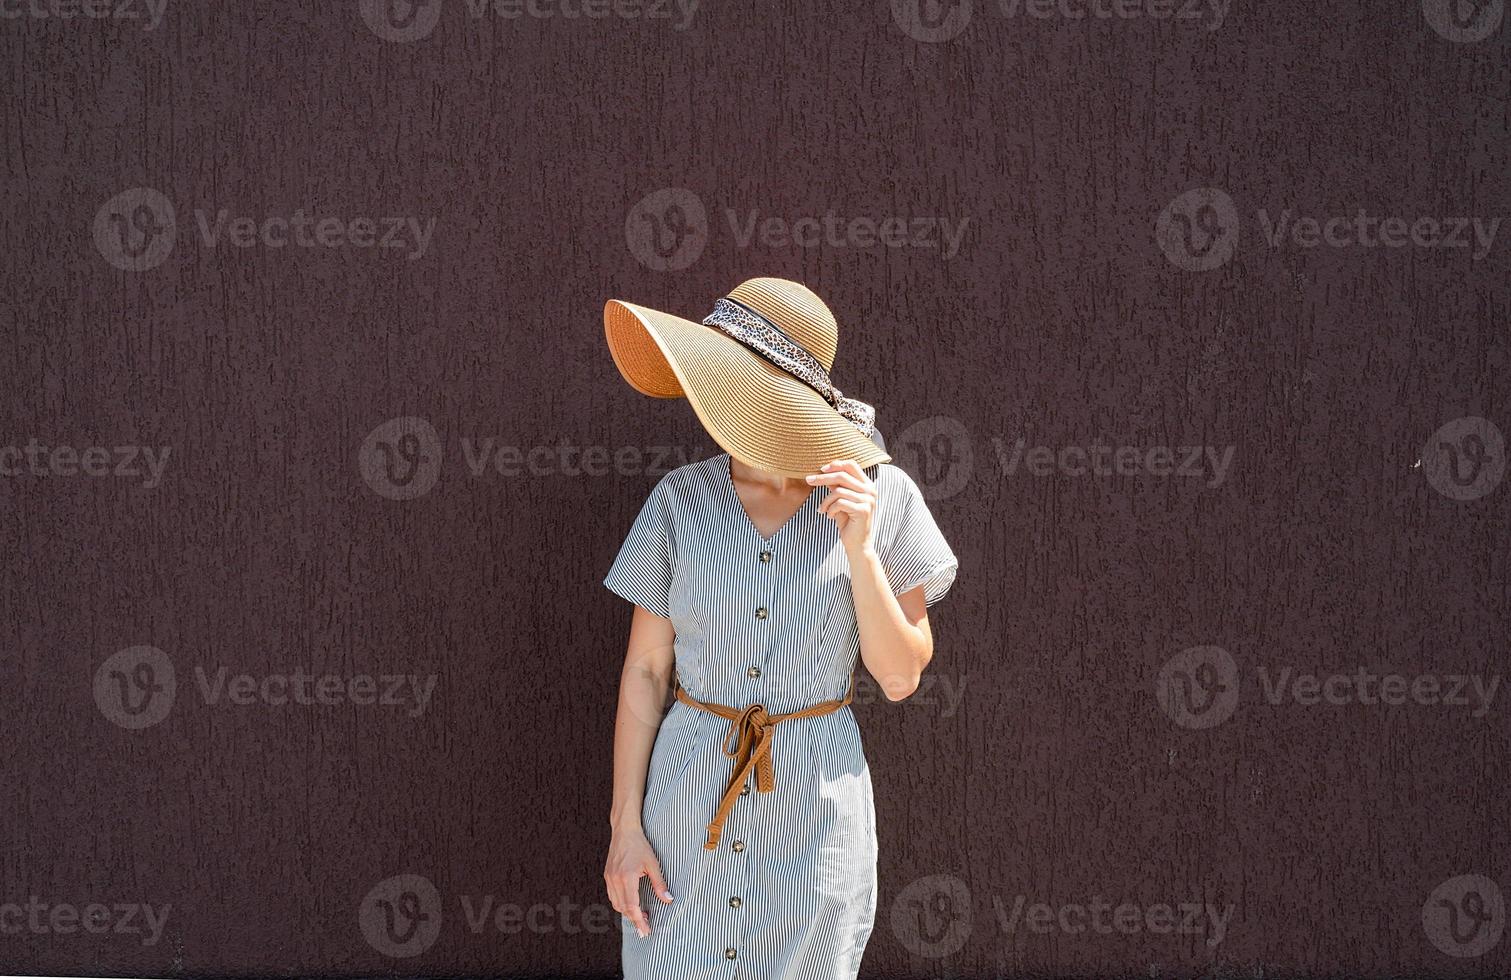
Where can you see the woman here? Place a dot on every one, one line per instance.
(744, 835)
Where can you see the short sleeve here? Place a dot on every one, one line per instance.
(917, 553)
(642, 573)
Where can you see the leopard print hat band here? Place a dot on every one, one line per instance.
(766, 339)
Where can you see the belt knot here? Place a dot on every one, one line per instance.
(748, 743)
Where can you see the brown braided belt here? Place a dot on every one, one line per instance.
(751, 729)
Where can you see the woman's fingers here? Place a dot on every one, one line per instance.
(658, 883)
(839, 478)
(847, 466)
(848, 508)
(624, 896)
(632, 909)
(837, 494)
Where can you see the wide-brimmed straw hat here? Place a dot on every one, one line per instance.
(756, 372)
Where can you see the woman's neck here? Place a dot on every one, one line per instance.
(774, 483)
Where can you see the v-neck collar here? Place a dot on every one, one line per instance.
(734, 496)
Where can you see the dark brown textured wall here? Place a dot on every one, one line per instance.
(1134, 754)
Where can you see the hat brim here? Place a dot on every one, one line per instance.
(755, 411)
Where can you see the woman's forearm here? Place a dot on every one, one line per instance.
(643, 686)
(895, 641)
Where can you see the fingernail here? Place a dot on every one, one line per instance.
(811, 478)
(667, 896)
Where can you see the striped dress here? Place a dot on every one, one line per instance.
(790, 891)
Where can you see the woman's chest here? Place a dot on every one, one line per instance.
(793, 579)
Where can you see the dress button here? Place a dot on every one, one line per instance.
(738, 845)
(753, 672)
(734, 903)
(730, 953)
(761, 612)
(745, 790)
(765, 557)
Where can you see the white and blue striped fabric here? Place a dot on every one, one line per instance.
(790, 892)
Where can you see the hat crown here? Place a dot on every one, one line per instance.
(796, 310)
